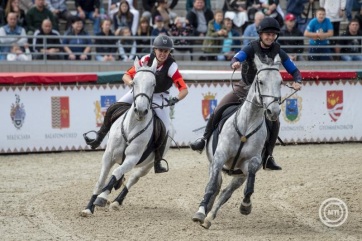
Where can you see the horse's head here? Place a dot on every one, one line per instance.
(268, 86)
(144, 83)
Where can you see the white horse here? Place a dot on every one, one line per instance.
(241, 142)
(128, 139)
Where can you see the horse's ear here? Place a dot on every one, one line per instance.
(258, 62)
(154, 65)
(137, 63)
(277, 60)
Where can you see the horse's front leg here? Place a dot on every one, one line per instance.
(136, 175)
(235, 183)
(117, 174)
(106, 167)
(253, 167)
(211, 191)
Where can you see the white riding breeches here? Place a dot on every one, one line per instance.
(163, 114)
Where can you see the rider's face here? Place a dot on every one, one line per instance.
(268, 38)
(162, 54)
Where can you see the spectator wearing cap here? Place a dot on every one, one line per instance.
(77, 42)
(290, 45)
(251, 30)
(350, 46)
(159, 27)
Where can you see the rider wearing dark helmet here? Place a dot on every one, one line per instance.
(265, 48)
(167, 74)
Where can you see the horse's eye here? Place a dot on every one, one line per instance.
(260, 82)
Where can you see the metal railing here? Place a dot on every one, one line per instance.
(193, 51)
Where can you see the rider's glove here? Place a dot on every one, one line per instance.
(297, 77)
(173, 101)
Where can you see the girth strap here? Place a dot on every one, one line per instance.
(243, 139)
(137, 134)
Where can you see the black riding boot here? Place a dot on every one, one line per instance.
(159, 157)
(268, 159)
(199, 144)
(106, 126)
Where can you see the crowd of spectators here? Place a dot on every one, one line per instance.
(125, 30)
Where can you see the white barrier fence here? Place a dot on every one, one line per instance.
(44, 118)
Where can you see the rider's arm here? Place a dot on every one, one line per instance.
(182, 94)
(179, 82)
(242, 55)
(290, 67)
(128, 76)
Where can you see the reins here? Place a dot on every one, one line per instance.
(295, 91)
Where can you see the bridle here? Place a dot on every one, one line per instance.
(143, 94)
(128, 141)
(257, 84)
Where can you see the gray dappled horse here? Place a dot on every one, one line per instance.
(128, 139)
(241, 141)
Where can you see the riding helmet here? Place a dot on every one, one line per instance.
(268, 25)
(163, 42)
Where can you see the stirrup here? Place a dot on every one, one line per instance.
(94, 143)
(157, 166)
(87, 139)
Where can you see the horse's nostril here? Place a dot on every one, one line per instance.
(135, 110)
(146, 112)
(268, 112)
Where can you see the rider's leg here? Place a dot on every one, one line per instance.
(159, 157)
(199, 144)
(239, 92)
(107, 123)
(164, 115)
(268, 159)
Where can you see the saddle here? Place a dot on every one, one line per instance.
(157, 138)
(158, 135)
(221, 117)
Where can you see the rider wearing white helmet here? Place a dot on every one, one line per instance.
(266, 48)
(167, 74)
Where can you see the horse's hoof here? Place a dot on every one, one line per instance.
(86, 213)
(206, 224)
(115, 206)
(100, 202)
(198, 217)
(245, 208)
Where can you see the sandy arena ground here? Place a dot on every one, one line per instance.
(42, 195)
